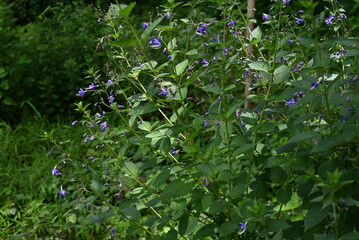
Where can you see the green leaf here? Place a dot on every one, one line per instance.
(314, 216)
(131, 169)
(3, 73)
(284, 195)
(228, 227)
(307, 42)
(205, 231)
(260, 66)
(181, 67)
(278, 175)
(187, 224)
(256, 35)
(304, 136)
(161, 178)
(206, 169)
(350, 236)
(165, 145)
(8, 101)
(243, 149)
(101, 217)
(276, 225)
(125, 12)
(177, 189)
(4, 84)
(238, 191)
(192, 52)
(281, 74)
(132, 213)
(150, 28)
(96, 186)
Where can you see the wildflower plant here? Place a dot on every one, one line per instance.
(173, 153)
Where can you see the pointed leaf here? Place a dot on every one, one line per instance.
(181, 67)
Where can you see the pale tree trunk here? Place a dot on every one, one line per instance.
(250, 27)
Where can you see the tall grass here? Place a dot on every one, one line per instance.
(29, 193)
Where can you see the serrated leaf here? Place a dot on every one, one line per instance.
(161, 178)
(228, 227)
(150, 28)
(187, 224)
(181, 67)
(304, 136)
(207, 230)
(314, 216)
(256, 35)
(281, 74)
(192, 52)
(276, 225)
(260, 66)
(101, 217)
(132, 213)
(96, 186)
(131, 169)
(177, 189)
(125, 12)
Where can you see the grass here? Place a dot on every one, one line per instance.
(29, 204)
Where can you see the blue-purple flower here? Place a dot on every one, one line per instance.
(55, 172)
(299, 21)
(314, 85)
(92, 86)
(204, 62)
(155, 43)
(62, 193)
(163, 93)
(145, 26)
(103, 126)
(81, 92)
(112, 233)
(202, 30)
(242, 225)
(329, 20)
(232, 22)
(265, 17)
(291, 101)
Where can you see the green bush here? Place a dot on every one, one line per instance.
(46, 60)
(175, 153)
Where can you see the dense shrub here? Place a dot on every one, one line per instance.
(46, 60)
(173, 153)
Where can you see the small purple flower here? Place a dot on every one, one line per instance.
(145, 26)
(205, 123)
(168, 15)
(242, 226)
(299, 21)
(62, 193)
(155, 43)
(226, 50)
(291, 101)
(111, 99)
(290, 41)
(74, 123)
(329, 20)
(265, 17)
(110, 82)
(343, 119)
(81, 92)
(55, 172)
(231, 23)
(163, 93)
(92, 86)
(112, 233)
(204, 62)
(286, 2)
(103, 126)
(202, 30)
(314, 85)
